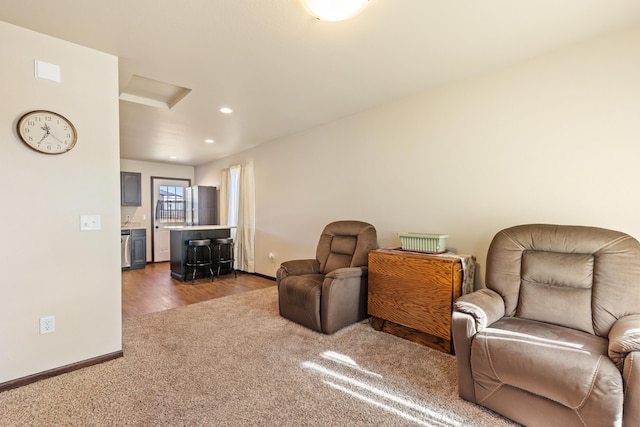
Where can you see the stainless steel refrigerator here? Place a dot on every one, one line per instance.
(201, 205)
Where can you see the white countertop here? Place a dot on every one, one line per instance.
(198, 227)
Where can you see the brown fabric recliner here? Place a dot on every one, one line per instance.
(554, 339)
(329, 292)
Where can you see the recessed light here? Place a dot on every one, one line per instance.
(209, 141)
(226, 110)
(172, 157)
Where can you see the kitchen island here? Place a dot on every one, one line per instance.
(179, 240)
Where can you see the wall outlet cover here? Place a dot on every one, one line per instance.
(47, 325)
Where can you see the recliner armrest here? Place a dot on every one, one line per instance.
(346, 272)
(301, 266)
(624, 337)
(484, 305)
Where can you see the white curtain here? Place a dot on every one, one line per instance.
(237, 207)
(224, 198)
(246, 220)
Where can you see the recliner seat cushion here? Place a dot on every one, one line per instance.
(564, 365)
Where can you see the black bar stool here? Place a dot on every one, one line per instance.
(223, 255)
(199, 255)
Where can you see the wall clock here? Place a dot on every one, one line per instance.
(47, 132)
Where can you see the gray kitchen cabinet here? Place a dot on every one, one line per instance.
(130, 189)
(138, 248)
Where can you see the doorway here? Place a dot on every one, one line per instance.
(167, 210)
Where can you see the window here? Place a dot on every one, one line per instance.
(171, 205)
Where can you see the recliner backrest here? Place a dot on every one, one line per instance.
(345, 244)
(579, 277)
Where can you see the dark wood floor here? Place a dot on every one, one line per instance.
(153, 289)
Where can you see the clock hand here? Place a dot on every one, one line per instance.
(43, 137)
(56, 138)
(47, 130)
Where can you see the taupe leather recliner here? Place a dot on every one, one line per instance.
(554, 339)
(329, 292)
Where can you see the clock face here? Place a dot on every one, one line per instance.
(47, 132)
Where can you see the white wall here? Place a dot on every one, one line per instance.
(47, 265)
(141, 215)
(554, 140)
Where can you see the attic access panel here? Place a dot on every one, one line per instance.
(154, 93)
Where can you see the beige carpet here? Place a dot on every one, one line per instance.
(234, 361)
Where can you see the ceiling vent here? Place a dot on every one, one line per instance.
(153, 92)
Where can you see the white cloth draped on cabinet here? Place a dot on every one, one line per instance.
(237, 207)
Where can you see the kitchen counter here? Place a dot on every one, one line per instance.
(179, 241)
(198, 227)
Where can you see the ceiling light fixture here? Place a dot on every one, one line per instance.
(333, 10)
(209, 141)
(226, 110)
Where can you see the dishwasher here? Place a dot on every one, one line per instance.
(125, 248)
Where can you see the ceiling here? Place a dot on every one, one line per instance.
(283, 71)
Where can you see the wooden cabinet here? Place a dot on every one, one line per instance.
(130, 189)
(411, 295)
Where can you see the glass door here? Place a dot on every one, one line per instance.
(168, 212)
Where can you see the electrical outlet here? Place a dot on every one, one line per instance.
(272, 257)
(47, 325)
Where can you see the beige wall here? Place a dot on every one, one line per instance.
(555, 139)
(48, 266)
(141, 215)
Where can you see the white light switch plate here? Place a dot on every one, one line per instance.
(89, 222)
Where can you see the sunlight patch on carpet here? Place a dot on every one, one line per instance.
(346, 361)
(391, 409)
(374, 395)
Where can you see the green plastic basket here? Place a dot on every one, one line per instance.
(420, 242)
